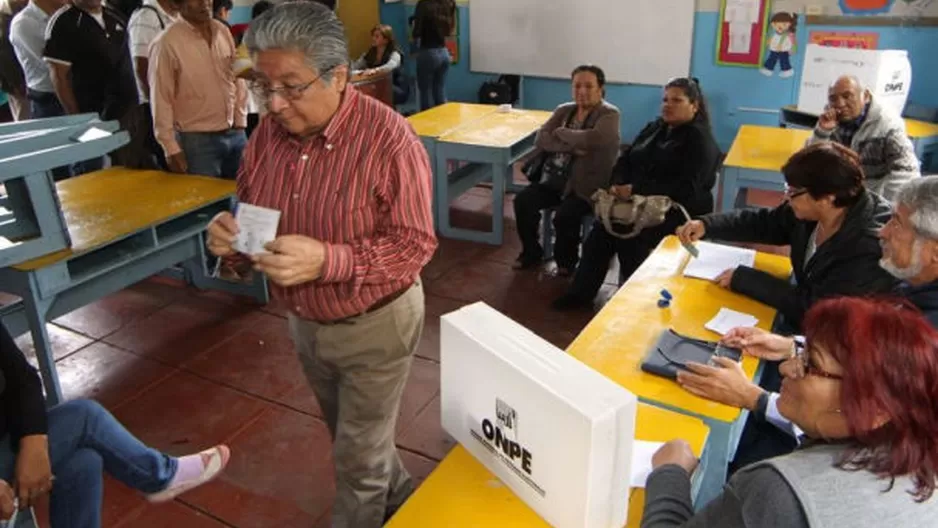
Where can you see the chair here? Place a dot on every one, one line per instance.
(547, 230)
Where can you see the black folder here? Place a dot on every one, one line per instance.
(672, 351)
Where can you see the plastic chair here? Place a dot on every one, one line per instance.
(547, 230)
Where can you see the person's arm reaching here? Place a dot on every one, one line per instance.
(405, 243)
(605, 133)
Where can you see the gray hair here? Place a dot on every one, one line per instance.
(920, 195)
(852, 78)
(308, 27)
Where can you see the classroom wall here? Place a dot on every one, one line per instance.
(736, 95)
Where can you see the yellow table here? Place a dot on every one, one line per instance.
(462, 493)
(618, 338)
(490, 144)
(125, 225)
(439, 120)
(756, 158)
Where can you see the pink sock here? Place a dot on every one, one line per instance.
(189, 467)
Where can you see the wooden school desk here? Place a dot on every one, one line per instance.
(618, 338)
(461, 493)
(125, 226)
(756, 158)
(490, 145)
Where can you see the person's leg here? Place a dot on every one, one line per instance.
(568, 221)
(235, 141)
(528, 205)
(441, 68)
(19, 107)
(598, 250)
(84, 424)
(424, 77)
(78, 492)
(373, 356)
(322, 377)
(203, 153)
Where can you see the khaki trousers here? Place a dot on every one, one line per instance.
(357, 369)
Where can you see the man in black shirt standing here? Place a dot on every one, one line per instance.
(87, 52)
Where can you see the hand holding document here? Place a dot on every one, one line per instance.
(257, 226)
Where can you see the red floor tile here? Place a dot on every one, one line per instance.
(108, 374)
(170, 515)
(426, 435)
(280, 474)
(63, 340)
(109, 314)
(181, 330)
(184, 414)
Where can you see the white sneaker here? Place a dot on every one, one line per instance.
(786, 74)
(767, 73)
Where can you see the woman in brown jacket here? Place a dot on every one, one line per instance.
(578, 147)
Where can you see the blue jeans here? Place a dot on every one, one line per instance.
(782, 57)
(84, 440)
(215, 154)
(432, 65)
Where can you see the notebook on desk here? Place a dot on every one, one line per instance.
(672, 351)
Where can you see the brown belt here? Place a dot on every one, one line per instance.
(381, 303)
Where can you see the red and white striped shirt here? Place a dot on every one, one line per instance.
(363, 187)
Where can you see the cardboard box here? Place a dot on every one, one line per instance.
(887, 73)
(557, 432)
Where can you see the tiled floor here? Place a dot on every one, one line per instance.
(184, 370)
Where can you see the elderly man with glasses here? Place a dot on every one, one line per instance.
(353, 184)
(910, 253)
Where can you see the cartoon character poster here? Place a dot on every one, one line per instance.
(781, 45)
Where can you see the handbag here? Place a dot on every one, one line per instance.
(634, 213)
(533, 169)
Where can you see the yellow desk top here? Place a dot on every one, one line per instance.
(914, 128)
(439, 120)
(498, 129)
(765, 148)
(617, 339)
(462, 493)
(107, 205)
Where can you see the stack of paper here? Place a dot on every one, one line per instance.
(714, 259)
(557, 432)
(727, 320)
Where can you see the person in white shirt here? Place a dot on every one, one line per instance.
(27, 35)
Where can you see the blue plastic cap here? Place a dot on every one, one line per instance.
(666, 294)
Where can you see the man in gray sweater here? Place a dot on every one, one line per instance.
(855, 119)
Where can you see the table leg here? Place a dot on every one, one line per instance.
(500, 173)
(730, 188)
(36, 311)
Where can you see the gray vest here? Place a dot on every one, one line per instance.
(835, 498)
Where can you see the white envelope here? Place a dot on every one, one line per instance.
(557, 432)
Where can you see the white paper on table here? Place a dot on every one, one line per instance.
(256, 227)
(714, 259)
(92, 134)
(642, 452)
(726, 320)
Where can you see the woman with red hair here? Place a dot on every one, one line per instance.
(865, 392)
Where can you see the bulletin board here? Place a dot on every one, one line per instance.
(740, 40)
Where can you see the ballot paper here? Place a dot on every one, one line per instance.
(714, 259)
(642, 452)
(727, 319)
(92, 134)
(256, 227)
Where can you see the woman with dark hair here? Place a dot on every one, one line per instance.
(675, 156)
(433, 22)
(577, 146)
(65, 451)
(831, 223)
(383, 57)
(864, 390)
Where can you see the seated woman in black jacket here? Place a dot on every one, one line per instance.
(674, 156)
(830, 221)
(383, 57)
(76, 442)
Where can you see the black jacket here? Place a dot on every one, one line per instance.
(680, 163)
(845, 264)
(924, 297)
(22, 405)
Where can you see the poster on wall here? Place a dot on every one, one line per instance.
(780, 44)
(452, 44)
(845, 39)
(739, 39)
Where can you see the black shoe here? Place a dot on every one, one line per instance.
(569, 302)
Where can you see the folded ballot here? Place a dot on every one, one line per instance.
(557, 432)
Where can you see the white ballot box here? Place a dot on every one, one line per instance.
(887, 73)
(557, 432)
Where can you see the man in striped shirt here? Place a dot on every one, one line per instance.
(353, 185)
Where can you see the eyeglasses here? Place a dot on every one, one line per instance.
(803, 359)
(793, 192)
(290, 92)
